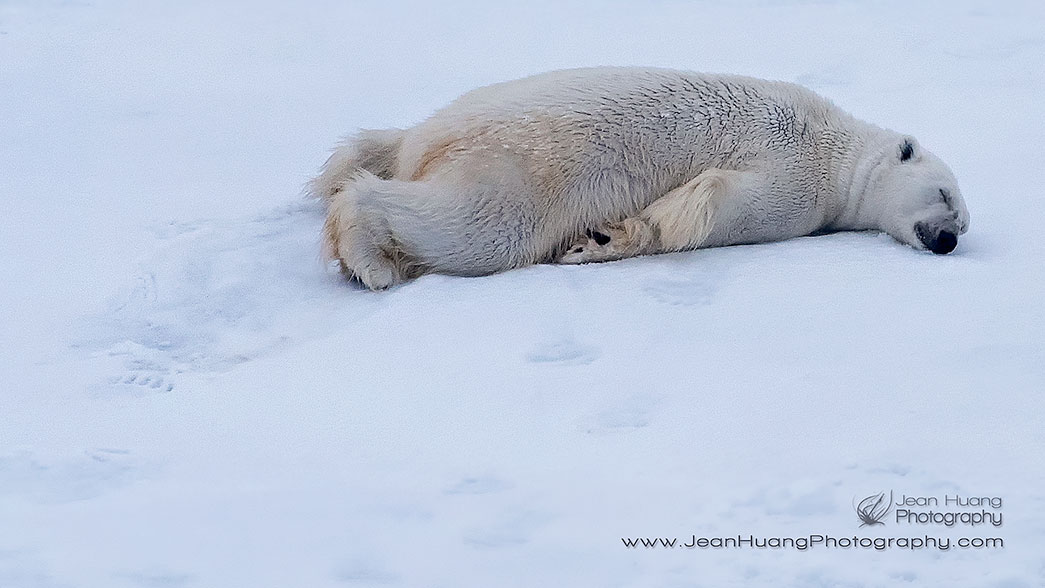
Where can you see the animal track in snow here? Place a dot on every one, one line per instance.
(213, 294)
(564, 352)
(511, 528)
(142, 382)
(688, 292)
(52, 480)
(157, 578)
(478, 485)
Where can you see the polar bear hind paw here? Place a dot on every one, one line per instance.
(352, 240)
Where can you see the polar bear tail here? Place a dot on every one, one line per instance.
(375, 151)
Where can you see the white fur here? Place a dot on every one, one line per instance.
(514, 173)
(683, 216)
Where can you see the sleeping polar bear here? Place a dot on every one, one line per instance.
(599, 164)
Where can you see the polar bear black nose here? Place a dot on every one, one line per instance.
(945, 242)
(939, 241)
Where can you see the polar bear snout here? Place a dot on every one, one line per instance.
(940, 239)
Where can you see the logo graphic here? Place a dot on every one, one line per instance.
(873, 509)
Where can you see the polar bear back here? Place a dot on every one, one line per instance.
(623, 136)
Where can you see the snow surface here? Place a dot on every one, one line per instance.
(189, 398)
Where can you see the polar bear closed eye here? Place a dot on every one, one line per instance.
(598, 164)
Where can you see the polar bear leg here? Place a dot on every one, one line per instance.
(384, 232)
(356, 239)
(680, 220)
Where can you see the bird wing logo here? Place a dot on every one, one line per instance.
(873, 509)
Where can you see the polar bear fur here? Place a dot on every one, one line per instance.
(602, 163)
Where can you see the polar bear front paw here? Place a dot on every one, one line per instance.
(610, 242)
(594, 246)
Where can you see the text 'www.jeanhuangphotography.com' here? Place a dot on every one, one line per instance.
(813, 541)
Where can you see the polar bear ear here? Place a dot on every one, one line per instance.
(906, 149)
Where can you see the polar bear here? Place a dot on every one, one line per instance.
(598, 164)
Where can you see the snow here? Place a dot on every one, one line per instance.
(189, 398)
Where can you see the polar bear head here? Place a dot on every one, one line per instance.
(917, 197)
